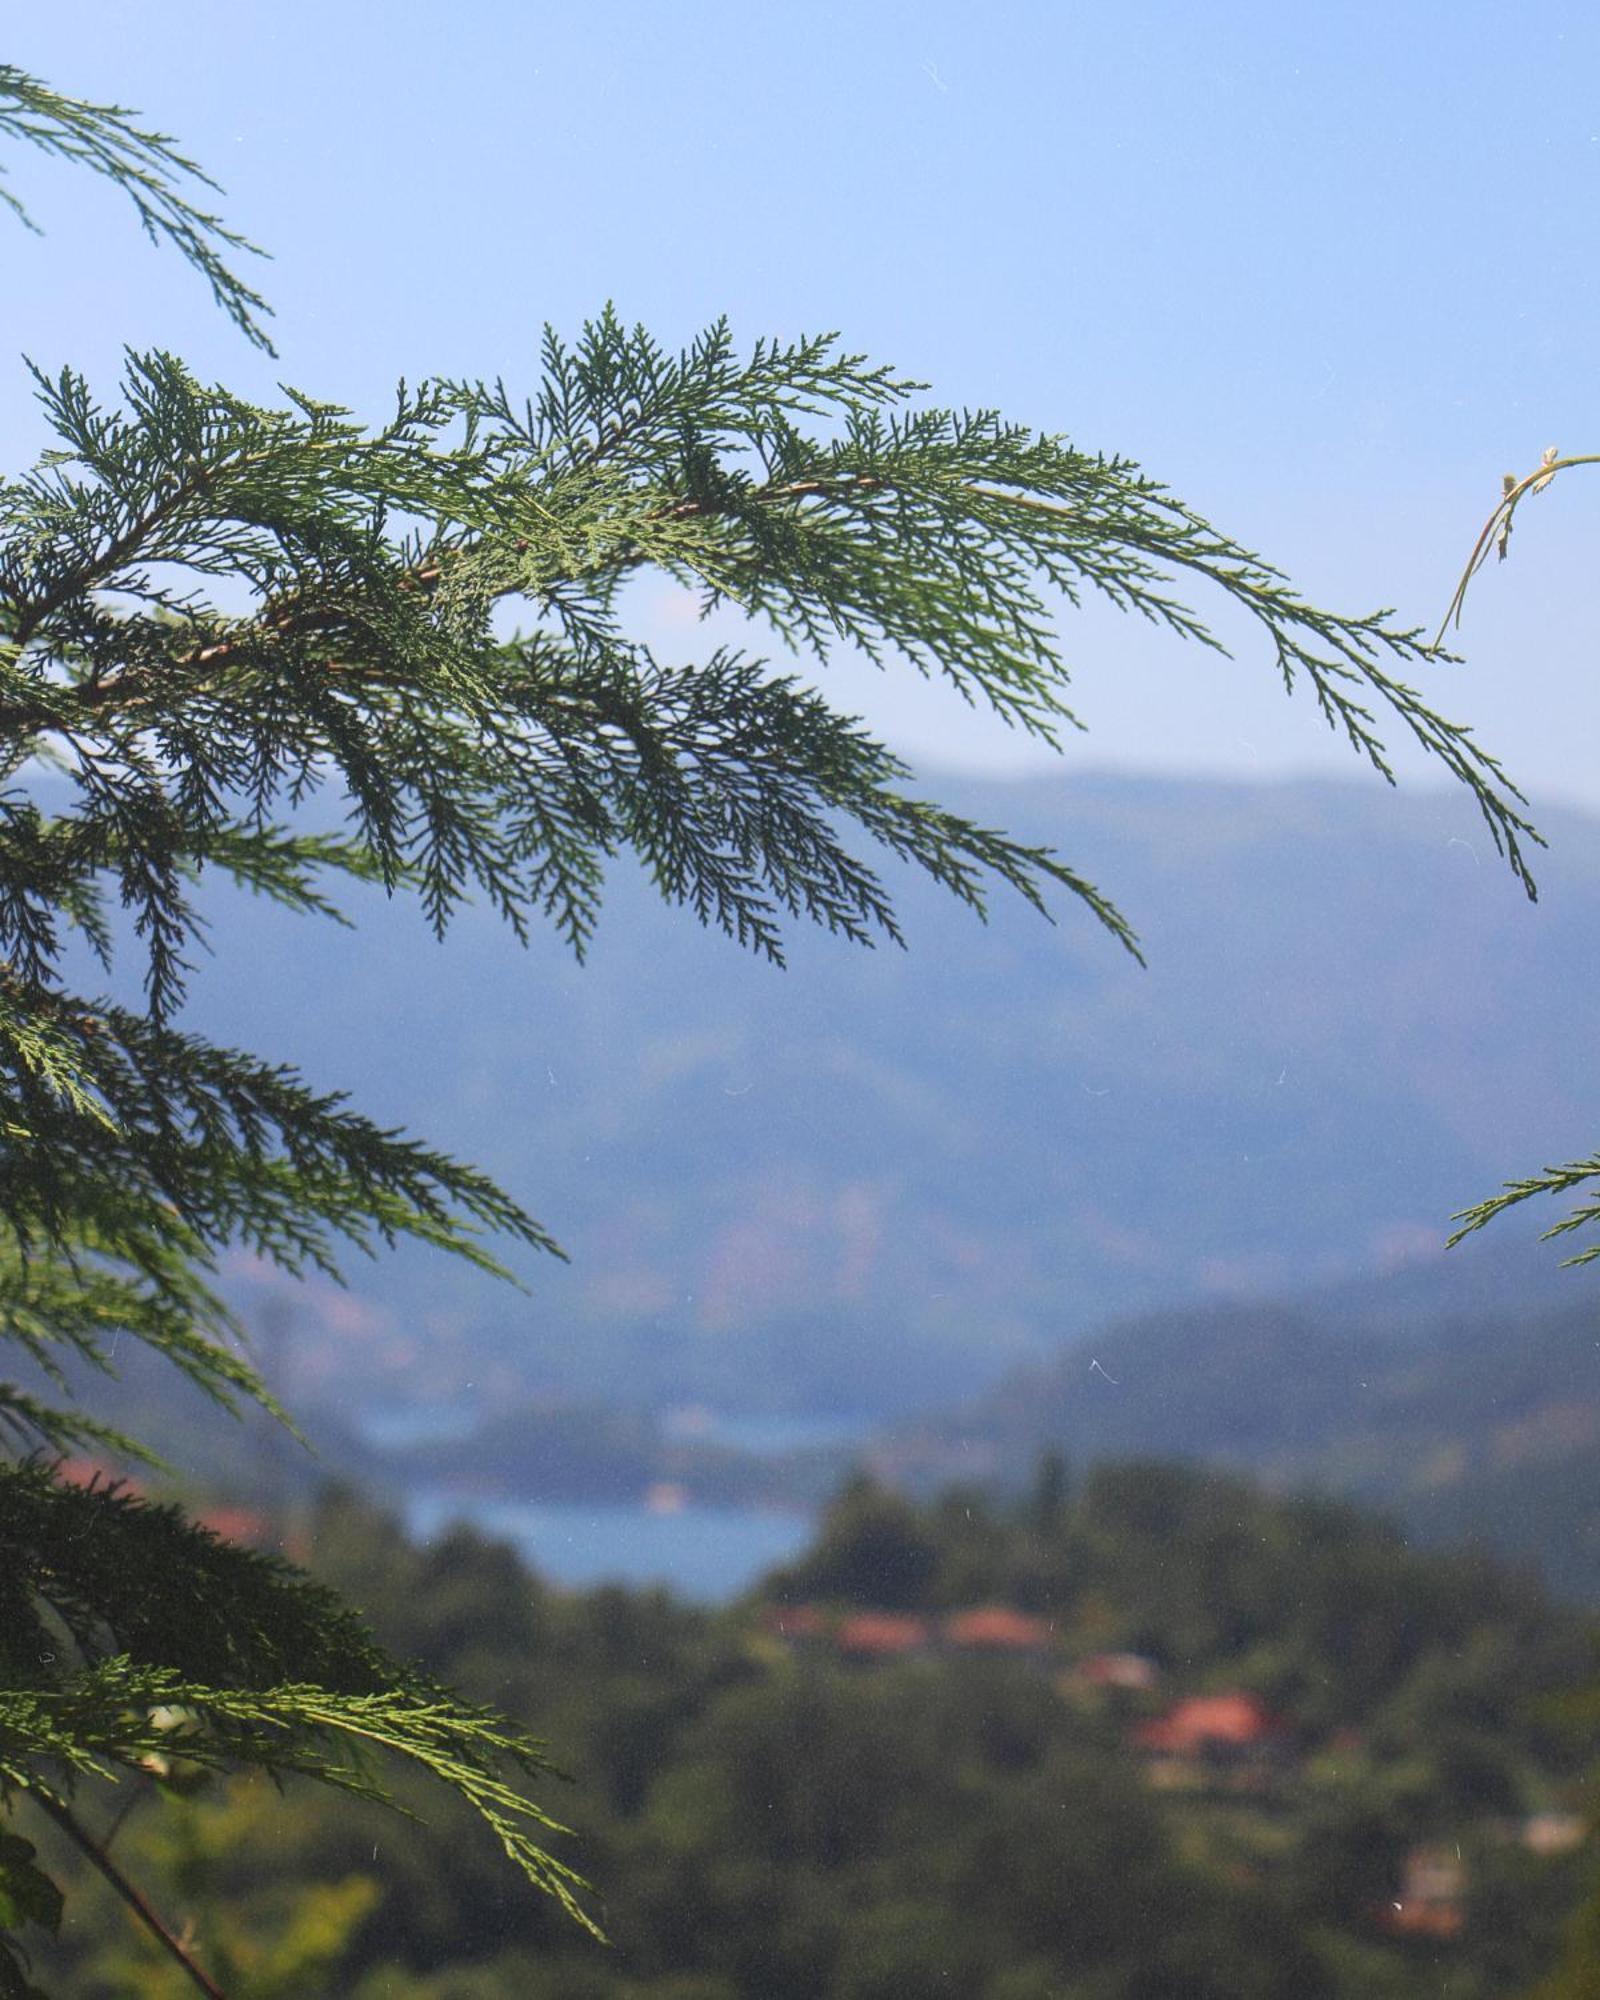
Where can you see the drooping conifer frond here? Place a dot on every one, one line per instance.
(131, 1638)
(149, 170)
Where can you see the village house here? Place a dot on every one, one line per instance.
(1229, 1739)
(997, 1629)
(94, 1472)
(881, 1635)
(248, 1527)
(1432, 1897)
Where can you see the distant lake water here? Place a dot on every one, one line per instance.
(398, 1426)
(708, 1554)
(768, 1437)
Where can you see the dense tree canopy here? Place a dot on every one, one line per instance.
(770, 1819)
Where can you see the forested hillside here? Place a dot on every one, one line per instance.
(1481, 1421)
(880, 1178)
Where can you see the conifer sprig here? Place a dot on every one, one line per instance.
(149, 170)
(1561, 1181)
(924, 536)
(131, 1637)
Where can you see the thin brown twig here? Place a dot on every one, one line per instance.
(95, 1853)
(1498, 526)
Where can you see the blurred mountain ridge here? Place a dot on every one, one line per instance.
(876, 1181)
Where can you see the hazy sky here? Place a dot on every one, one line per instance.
(1327, 271)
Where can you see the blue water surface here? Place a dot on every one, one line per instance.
(708, 1554)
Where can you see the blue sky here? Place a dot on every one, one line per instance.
(1329, 272)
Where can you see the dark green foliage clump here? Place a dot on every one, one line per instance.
(131, 1636)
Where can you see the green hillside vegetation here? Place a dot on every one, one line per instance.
(1466, 1424)
(776, 1818)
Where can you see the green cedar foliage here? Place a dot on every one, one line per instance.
(214, 615)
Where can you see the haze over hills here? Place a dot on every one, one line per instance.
(1451, 1393)
(1479, 1422)
(879, 1180)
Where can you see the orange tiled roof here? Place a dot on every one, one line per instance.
(243, 1525)
(793, 1621)
(881, 1634)
(1209, 1721)
(997, 1626)
(89, 1472)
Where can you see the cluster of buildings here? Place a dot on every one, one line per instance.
(995, 1629)
(1231, 1737)
(1230, 1741)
